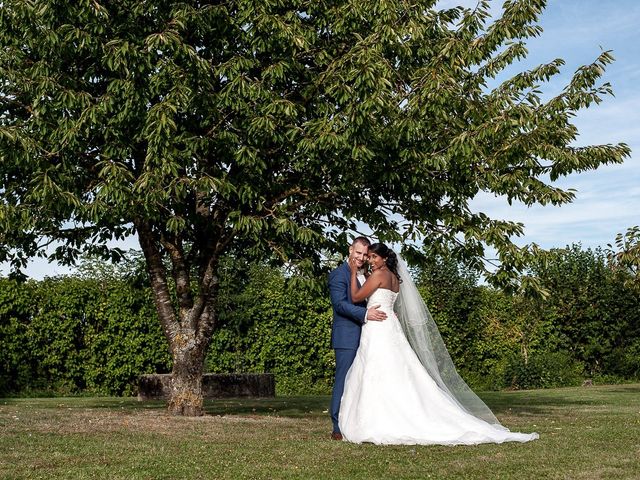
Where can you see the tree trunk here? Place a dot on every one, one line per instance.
(186, 376)
(188, 330)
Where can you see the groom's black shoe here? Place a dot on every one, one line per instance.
(336, 436)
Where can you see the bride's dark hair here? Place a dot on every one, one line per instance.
(390, 257)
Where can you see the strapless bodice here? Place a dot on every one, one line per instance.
(383, 297)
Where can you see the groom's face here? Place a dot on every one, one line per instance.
(358, 252)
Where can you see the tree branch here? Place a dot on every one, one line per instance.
(180, 272)
(158, 278)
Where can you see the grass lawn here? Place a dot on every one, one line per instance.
(585, 433)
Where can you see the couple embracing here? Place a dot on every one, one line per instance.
(395, 382)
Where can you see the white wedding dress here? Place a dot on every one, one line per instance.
(390, 398)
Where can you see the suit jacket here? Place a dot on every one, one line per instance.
(348, 318)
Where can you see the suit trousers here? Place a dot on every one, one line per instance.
(344, 359)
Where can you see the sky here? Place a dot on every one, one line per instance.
(608, 199)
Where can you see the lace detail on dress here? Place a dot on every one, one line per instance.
(383, 297)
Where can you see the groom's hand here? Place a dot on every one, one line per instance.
(376, 315)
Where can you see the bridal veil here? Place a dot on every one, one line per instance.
(423, 336)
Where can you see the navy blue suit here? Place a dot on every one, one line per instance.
(348, 319)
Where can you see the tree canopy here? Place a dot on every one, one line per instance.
(272, 128)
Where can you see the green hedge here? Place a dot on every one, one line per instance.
(275, 325)
(589, 326)
(96, 333)
(593, 312)
(68, 335)
(16, 307)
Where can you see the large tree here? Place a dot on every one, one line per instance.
(270, 128)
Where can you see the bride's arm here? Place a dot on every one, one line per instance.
(370, 285)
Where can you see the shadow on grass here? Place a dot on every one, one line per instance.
(304, 406)
(632, 390)
(299, 406)
(532, 405)
(539, 401)
(529, 402)
(109, 403)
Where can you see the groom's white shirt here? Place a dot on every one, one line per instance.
(361, 278)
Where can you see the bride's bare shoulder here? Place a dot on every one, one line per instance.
(387, 280)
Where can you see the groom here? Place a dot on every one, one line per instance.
(348, 319)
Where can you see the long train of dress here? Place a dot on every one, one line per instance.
(389, 397)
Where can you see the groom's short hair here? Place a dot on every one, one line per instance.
(362, 241)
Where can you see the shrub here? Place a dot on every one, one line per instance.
(67, 335)
(271, 325)
(624, 362)
(592, 309)
(16, 310)
(542, 370)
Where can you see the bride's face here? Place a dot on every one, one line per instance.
(376, 261)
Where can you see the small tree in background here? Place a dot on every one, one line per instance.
(626, 256)
(593, 312)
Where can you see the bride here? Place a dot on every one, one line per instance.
(402, 387)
